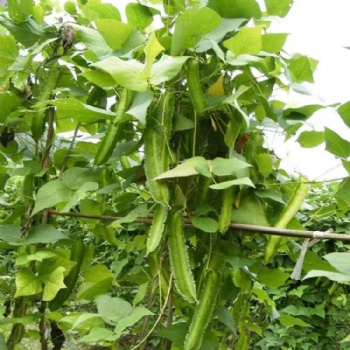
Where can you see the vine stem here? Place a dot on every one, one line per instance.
(265, 230)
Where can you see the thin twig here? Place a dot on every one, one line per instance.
(273, 231)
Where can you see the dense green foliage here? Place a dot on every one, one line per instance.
(128, 146)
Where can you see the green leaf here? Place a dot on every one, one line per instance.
(343, 192)
(136, 315)
(112, 309)
(99, 335)
(43, 234)
(227, 166)
(8, 101)
(344, 112)
(140, 103)
(247, 41)
(166, 69)
(8, 54)
(290, 321)
(272, 278)
(236, 8)
(336, 144)
(300, 69)
(27, 283)
(225, 316)
(309, 139)
(250, 211)
(53, 282)
(81, 321)
(226, 184)
(340, 261)
(115, 33)
(98, 280)
(10, 233)
(313, 262)
(94, 41)
(191, 25)
(274, 42)
(264, 162)
(80, 194)
(72, 108)
(205, 224)
(38, 256)
(94, 10)
(99, 78)
(278, 7)
(140, 211)
(192, 166)
(138, 15)
(333, 276)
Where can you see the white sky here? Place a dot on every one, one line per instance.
(319, 29)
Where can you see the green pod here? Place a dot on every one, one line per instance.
(194, 86)
(156, 146)
(157, 228)
(291, 208)
(179, 260)
(114, 130)
(77, 255)
(226, 209)
(46, 87)
(203, 312)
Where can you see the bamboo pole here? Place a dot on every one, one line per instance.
(273, 231)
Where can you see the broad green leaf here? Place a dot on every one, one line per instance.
(309, 139)
(115, 33)
(176, 333)
(50, 194)
(240, 91)
(250, 211)
(226, 184)
(72, 108)
(95, 10)
(225, 316)
(81, 193)
(10, 233)
(264, 162)
(192, 166)
(182, 123)
(8, 101)
(247, 41)
(262, 295)
(340, 261)
(227, 25)
(140, 211)
(112, 309)
(125, 73)
(313, 262)
(140, 103)
(236, 8)
(43, 234)
(81, 321)
(8, 55)
(272, 278)
(336, 145)
(278, 7)
(27, 283)
(273, 42)
(344, 112)
(152, 50)
(333, 276)
(166, 69)
(300, 69)
(343, 192)
(3, 342)
(53, 282)
(272, 195)
(205, 224)
(94, 41)
(227, 166)
(138, 15)
(27, 33)
(290, 321)
(38, 256)
(99, 335)
(141, 293)
(98, 280)
(99, 78)
(136, 315)
(191, 25)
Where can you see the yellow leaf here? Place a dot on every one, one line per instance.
(217, 88)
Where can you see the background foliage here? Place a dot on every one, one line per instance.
(129, 142)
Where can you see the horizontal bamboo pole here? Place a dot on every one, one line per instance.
(273, 231)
